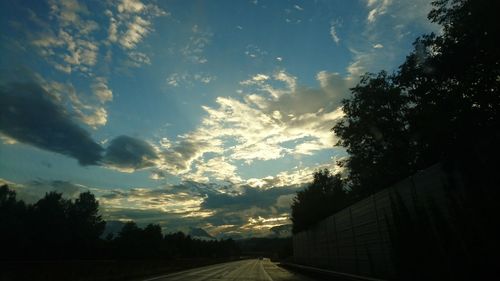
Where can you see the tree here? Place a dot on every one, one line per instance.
(12, 228)
(375, 133)
(446, 106)
(86, 225)
(323, 197)
(444, 97)
(51, 236)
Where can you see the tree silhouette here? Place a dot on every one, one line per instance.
(86, 225)
(324, 196)
(444, 97)
(13, 214)
(442, 105)
(375, 133)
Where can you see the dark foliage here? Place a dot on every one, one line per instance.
(51, 228)
(55, 228)
(444, 97)
(323, 197)
(442, 105)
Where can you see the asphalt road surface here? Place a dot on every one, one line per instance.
(245, 270)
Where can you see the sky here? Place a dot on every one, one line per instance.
(206, 114)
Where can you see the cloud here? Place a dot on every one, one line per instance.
(194, 50)
(35, 116)
(275, 118)
(188, 79)
(131, 22)
(297, 7)
(113, 30)
(180, 156)
(136, 30)
(333, 33)
(32, 191)
(137, 59)
(297, 177)
(254, 52)
(101, 90)
(252, 211)
(30, 116)
(68, 45)
(217, 168)
(216, 208)
(69, 40)
(89, 113)
(377, 8)
(389, 29)
(285, 201)
(130, 6)
(128, 154)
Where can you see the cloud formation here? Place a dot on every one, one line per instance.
(33, 116)
(388, 28)
(275, 118)
(30, 116)
(128, 154)
(333, 33)
(194, 50)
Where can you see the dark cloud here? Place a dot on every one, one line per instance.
(250, 197)
(32, 191)
(181, 206)
(125, 152)
(28, 115)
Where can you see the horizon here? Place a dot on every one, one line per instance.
(187, 114)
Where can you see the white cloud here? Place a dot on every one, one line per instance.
(297, 7)
(89, 113)
(7, 140)
(389, 29)
(255, 79)
(69, 44)
(174, 79)
(254, 51)
(333, 34)
(113, 30)
(101, 90)
(188, 79)
(136, 31)
(261, 126)
(138, 59)
(194, 50)
(295, 177)
(130, 6)
(377, 8)
(97, 117)
(217, 168)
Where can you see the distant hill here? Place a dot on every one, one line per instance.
(281, 231)
(229, 235)
(113, 227)
(200, 233)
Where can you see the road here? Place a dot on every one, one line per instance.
(244, 270)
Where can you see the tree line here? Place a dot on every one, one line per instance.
(441, 105)
(55, 228)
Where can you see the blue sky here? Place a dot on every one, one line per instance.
(187, 113)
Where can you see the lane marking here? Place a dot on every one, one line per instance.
(266, 275)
